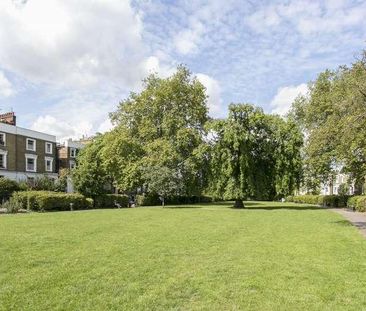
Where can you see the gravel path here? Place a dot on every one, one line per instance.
(355, 218)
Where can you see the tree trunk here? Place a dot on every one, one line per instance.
(163, 202)
(239, 204)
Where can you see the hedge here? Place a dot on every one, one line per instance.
(48, 200)
(357, 203)
(323, 200)
(109, 200)
(153, 199)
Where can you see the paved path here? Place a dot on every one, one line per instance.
(355, 218)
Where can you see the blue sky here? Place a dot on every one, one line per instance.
(64, 64)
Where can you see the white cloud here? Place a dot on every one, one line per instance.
(72, 43)
(6, 88)
(213, 91)
(282, 101)
(78, 115)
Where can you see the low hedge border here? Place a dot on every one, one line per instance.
(322, 200)
(48, 200)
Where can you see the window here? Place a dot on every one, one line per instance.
(3, 159)
(48, 147)
(73, 152)
(30, 163)
(2, 139)
(31, 144)
(72, 164)
(48, 164)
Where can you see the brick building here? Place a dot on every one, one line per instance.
(25, 154)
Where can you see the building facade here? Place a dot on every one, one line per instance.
(67, 154)
(333, 187)
(25, 154)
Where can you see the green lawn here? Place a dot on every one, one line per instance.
(271, 256)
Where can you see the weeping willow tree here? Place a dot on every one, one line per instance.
(254, 155)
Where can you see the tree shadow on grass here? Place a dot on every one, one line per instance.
(285, 207)
(251, 205)
(345, 223)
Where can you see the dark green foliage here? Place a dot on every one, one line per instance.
(109, 200)
(47, 200)
(150, 199)
(254, 155)
(7, 187)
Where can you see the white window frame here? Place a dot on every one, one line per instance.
(72, 163)
(4, 135)
(51, 147)
(35, 144)
(72, 150)
(31, 156)
(5, 154)
(45, 164)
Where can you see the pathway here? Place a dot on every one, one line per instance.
(355, 218)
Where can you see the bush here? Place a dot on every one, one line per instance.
(7, 187)
(47, 200)
(13, 205)
(289, 198)
(333, 200)
(108, 200)
(150, 199)
(307, 199)
(323, 200)
(357, 203)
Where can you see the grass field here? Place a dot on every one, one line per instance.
(271, 256)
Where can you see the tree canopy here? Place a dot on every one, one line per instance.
(165, 143)
(333, 116)
(254, 155)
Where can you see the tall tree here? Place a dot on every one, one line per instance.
(90, 176)
(333, 116)
(162, 126)
(254, 155)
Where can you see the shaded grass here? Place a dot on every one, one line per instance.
(270, 256)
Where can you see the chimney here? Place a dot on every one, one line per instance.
(8, 118)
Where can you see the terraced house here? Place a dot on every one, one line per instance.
(25, 154)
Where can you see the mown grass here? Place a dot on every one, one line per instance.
(271, 256)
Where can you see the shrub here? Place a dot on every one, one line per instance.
(357, 203)
(289, 198)
(333, 200)
(108, 200)
(150, 199)
(47, 200)
(7, 187)
(307, 198)
(323, 200)
(12, 206)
